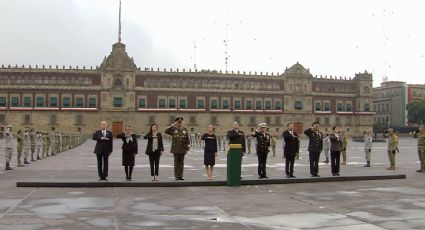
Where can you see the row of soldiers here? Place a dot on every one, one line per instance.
(37, 145)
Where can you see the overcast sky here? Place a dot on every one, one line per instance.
(331, 37)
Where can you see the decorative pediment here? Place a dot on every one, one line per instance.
(118, 60)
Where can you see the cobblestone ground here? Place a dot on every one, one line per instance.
(386, 204)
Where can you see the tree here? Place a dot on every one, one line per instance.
(416, 112)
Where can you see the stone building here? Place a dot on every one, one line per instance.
(77, 99)
(390, 102)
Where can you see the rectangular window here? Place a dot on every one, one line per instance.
(52, 119)
(14, 102)
(327, 106)
(142, 103)
(92, 102)
(339, 107)
(248, 105)
(298, 105)
(27, 119)
(161, 103)
(226, 104)
(214, 120)
(214, 104)
(252, 120)
(348, 107)
(200, 104)
(151, 119)
(318, 106)
(277, 105)
(79, 102)
(78, 119)
(53, 102)
(238, 104)
(66, 102)
(172, 103)
(40, 102)
(366, 107)
(182, 104)
(27, 101)
(192, 120)
(2, 101)
(268, 105)
(258, 105)
(2, 118)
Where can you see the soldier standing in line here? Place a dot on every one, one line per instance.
(326, 146)
(263, 145)
(219, 143)
(38, 143)
(52, 138)
(248, 141)
(180, 145)
(273, 145)
(420, 135)
(27, 145)
(224, 140)
(19, 147)
(48, 144)
(32, 138)
(43, 144)
(367, 147)
(315, 146)
(392, 148)
(9, 147)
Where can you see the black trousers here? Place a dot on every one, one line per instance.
(335, 159)
(154, 162)
(102, 165)
(314, 162)
(178, 164)
(289, 165)
(262, 160)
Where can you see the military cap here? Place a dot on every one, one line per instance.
(262, 125)
(178, 119)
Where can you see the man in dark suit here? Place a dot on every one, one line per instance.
(235, 136)
(292, 146)
(103, 149)
(315, 146)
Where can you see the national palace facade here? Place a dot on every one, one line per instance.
(77, 99)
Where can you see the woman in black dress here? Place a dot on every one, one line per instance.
(129, 151)
(154, 150)
(210, 150)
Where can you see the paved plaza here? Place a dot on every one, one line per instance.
(378, 204)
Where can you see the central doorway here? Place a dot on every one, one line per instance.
(117, 128)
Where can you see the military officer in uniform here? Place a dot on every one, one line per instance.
(38, 143)
(19, 147)
(52, 142)
(179, 145)
(32, 138)
(392, 148)
(315, 146)
(368, 147)
(44, 147)
(420, 135)
(263, 145)
(27, 145)
(9, 146)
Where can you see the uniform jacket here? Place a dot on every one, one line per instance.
(292, 143)
(237, 137)
(263, 141)
(180, 139)
(421, 140)
(392, 142)
(103, 146)
(368, 142)
(315, 143)
(9, 141)
(149, 147)
(336, 142)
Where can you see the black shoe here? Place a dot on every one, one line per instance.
(418, 170)
(292, 176)
(333, 174)
(181, 178)
(265, 177)
(177, 178)
(26, 162)
(337, 174)
(8, 167)
(38, 158)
